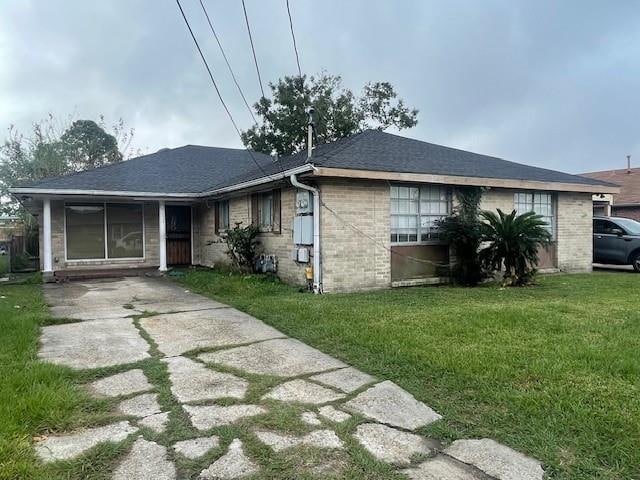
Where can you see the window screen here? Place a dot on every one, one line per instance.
(85, 231)
(124, 230)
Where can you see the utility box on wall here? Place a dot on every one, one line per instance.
(303, 230)
(304, 202)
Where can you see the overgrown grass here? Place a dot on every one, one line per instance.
(4, 264)
(552, 370)
(35, 397)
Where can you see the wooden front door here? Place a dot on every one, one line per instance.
(178, 235)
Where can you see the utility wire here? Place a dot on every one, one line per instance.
(377, 242)
(224, 55)
(293, 36)
(255, 59)
(215, 86)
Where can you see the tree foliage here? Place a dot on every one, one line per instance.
(513, 242)
(53, 149)
(463, 231)
(338, 112)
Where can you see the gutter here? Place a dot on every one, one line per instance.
(317, 273)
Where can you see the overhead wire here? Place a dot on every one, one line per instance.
(255, 58)
(215, 86)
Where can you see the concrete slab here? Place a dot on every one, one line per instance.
(99, 343)
(310, 418)
(333, 414)
(281, 358)
(234, 464)
(301, 391)
(64, 447)
(388, 403)
(146, 460)
(318, 438)
(125, 383)
(442, 467)
(157, 422)
(178, 333)
(196, 447)
(496, 460)
(140, 405)
(392, 446)
(192, 381)
(204, 417)
(346, 379)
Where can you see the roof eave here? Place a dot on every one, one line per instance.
(462, 180)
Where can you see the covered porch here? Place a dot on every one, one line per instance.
(93, 236)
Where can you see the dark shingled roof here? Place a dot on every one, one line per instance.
(195, 169)
(188, 169)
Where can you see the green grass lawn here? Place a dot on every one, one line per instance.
(4, 264)
(552, 370)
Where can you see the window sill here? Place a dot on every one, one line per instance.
(102, 261)
(418, 244)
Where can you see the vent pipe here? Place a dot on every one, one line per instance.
(310, 134)
(628, 163)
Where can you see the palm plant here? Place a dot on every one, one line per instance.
(513, 242)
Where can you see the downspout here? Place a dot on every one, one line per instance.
(317, 274)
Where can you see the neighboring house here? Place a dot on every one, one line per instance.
(9, 226)
(626, 203)
(371, 224)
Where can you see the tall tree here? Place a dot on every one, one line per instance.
(338, 112)
(51, 150)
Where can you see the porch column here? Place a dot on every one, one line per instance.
(46, 232)
(162, 233)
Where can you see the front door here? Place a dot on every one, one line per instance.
(178, 235)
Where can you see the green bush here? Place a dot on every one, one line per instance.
(241, 246)
(513, 242)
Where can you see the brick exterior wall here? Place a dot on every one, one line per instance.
(350, 260)
(151, 236)
(626, 212)
(575, 232)
(211, 249)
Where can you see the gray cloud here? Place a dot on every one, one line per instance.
(548, 83)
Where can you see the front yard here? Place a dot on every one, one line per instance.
(553, 370)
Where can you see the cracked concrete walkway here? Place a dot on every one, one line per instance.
(214, 357)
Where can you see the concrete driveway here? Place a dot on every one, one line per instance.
(226, 369)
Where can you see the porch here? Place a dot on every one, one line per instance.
(86, 237)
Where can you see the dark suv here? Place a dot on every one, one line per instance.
(616, 241)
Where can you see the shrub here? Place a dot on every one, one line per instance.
(463, 231)
(241, 245)
(513, 241)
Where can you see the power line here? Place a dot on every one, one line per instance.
(224, 55)
(215, 86)
(293, 36)
(255, 59)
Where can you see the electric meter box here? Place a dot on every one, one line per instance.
(304, 202)
(303, 230)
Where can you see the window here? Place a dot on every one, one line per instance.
(101, 231)
(266, 211)
(124, 230)
(222, 216)
(85, 231)
(540, 203)
(415, 211)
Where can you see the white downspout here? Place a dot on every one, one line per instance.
(317, 274)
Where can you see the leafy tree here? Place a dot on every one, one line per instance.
(513, 242)
(338, 112)
(52, 151)
(463, 231)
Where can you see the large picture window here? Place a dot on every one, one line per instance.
(540, 203)
(415, 211)
(98, 231)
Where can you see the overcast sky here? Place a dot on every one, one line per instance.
(549, 83)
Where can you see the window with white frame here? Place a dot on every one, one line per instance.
(541, 203)
(415, 211)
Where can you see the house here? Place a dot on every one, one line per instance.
(626, 203)
(361, 210)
